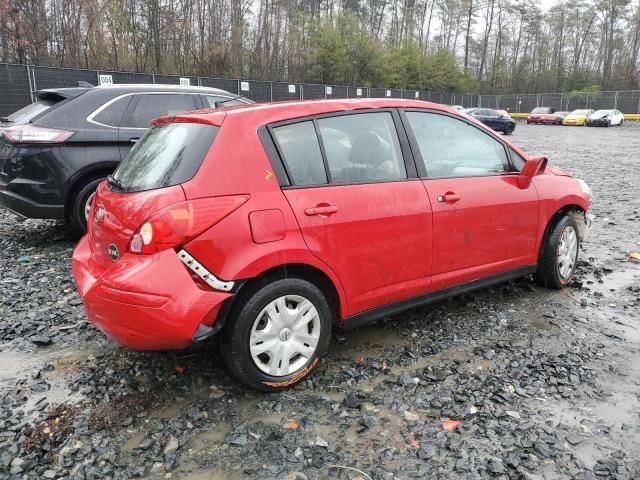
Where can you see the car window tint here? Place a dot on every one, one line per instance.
(112, 113)
(516, 160)
(452, 148)
(362, 148)
(167, 154)
(299, 146)
(152, 106)
(210, 101)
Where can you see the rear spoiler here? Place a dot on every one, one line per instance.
(59, 94)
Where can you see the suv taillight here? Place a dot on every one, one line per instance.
(177, 224)
(28, 133)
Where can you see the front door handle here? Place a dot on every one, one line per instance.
(322, 210)
(134, 139)
(449, 197)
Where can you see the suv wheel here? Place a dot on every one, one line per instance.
(82, 203)
(279, 334)
(559, 255)
(508, 130)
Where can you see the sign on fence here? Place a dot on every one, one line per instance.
(292, 89)
(244, 86)
(185, 82)
(105, 80)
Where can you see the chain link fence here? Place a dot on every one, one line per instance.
(627, 102)
(19, 82)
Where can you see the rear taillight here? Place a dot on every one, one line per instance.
(177, 224)
(33, 134)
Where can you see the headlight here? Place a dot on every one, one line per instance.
(586, 189)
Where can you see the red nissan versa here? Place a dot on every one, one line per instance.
(270, 224)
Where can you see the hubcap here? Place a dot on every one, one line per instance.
(285, 335)
(567, 252)
(87, 206)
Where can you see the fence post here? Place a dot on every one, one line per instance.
(271, 91)
(615, 101)
(587, 100)
(301, 94)
(29, 80)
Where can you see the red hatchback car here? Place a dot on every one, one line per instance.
(271, 224)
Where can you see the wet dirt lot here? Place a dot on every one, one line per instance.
(510, 382)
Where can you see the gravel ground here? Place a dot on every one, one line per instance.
(510, 382)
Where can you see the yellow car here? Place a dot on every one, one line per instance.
(577, 117)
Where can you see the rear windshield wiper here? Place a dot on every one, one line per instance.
(114, 182)
(5, 120)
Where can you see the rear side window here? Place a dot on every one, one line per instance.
(113, 112)
(166, 155)
(301, 151)
(362, 148)
(150, 106)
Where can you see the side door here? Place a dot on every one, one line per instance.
(144, 107)
(360, 206)
(483, 222)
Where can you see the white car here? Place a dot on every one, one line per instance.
(605, 118)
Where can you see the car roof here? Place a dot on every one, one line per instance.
(264, 113)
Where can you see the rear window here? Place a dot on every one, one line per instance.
(541, 110)
(25, 114)
(166, 155)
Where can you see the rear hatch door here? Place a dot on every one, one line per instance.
(148, 180)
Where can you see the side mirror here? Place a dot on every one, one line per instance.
(533, 166)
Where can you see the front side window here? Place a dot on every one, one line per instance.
(168, 154)
(452, 148)
(211, 100)
(362, 148)
(299, 146)
(152, 106)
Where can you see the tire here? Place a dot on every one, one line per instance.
(241, 339)
(78, 204)
(555, 267)
(508, 130)
(621, 122)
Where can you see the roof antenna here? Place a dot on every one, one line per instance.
(82, 83)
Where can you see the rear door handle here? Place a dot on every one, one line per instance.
(134, 139)
(323, 210)
(449, 197)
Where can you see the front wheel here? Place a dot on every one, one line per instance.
(559, 255)
(508, 130)
(278, 335)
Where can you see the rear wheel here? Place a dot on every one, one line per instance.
(559, 255)
(82, 203)
(278, 334)
(509, 128)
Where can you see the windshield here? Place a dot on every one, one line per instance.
(541, 110)
(602, 113)
(25, 114)
(166, 155)
(580, 112)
